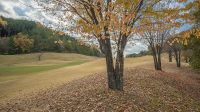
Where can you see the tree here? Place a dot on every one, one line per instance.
(195, 40)
(184, 42)
(3, 24)
(181, 40)
(170, 54)
(23, 42)
(195, 46)
(156, 41)
(109, 21)
(155, 36)
(4, 46)
(175, 43)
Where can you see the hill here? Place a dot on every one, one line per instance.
(174, 89)
(23, 36)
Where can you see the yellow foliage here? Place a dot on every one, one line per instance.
(2, 22)
(125, 17)
(23, 42)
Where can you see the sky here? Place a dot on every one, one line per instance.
(20, 9)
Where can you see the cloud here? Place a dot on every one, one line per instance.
(8, 8)
(136, 48)
(23, 9)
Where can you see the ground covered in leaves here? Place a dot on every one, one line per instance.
(144, 90)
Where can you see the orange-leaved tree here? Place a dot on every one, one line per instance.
(23, 42)
(2, 22)
(109, 22)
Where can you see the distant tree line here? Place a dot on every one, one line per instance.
(141, 53)
(22, 36)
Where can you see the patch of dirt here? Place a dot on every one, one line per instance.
(144, 90)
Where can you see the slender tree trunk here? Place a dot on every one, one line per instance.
(109, 65)
(159, 67)
(179, 58)
(154, 57)
(177, 53)
(40, 56)
(119, 65)
(170, 55)
(119, 69)
(156, 52)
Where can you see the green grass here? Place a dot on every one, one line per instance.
(21, 70)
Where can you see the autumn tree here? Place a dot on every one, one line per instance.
(109, 21)
(23, 42)
(3, 24)
(155, 37)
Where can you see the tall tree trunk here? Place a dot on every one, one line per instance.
(170, 55)
(179, 58)
(156, 52)
(119, 65)
(154, 57)
(109, 64)
(177, 53)
(159, 67)
(119, 69)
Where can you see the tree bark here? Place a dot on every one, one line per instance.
(177, 53)
(170, 55)
(154, 58)
(119, 65)
(114, 71)
(159, 57)
(156, 52)
(109, 64)
(119, 69)
(179, 58)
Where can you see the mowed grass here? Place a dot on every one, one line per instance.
(24, 73)
(47, 58)
(22, 70)
(28, 63)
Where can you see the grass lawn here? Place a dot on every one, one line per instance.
(24, 73)
(24, 70)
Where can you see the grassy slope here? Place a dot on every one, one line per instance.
(18, 82)
(24, 73)
(176, 89)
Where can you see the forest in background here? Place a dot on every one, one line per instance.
(23, 36)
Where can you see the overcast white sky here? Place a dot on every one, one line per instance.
(17, 9)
